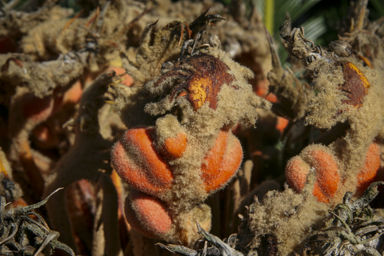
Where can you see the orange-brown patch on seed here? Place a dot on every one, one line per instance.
(201, 76)
(20, 202)
(355, 86)
(229, 166)
(262, 90)
(198, 88)
(116, 180)
(297, 172)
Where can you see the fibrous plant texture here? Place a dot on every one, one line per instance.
(176, 160)
(346, 103)
(90, 143)
(352, 228)
(348, 93)
(172, 125)
(24, 232)
(57, 136)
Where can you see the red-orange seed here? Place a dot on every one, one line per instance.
(174, 147)
(147, 214)
(212, 162)
(369, 171)
(221, 162)
(296, 173)
(228, 167)
(136, 161)
(327, 172)
(319, 194)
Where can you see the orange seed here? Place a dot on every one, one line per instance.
(174, 147)
(222, 161)
(136, 161)
(147, 214)
(369, 171)
(327, 172)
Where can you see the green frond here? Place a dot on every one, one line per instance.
(379, 6)
(314, 27)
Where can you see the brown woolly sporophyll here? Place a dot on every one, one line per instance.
(58, 73)
(33, 101)
(190, 106)
(103, 29)
(15, 24)
(87, 159)
(26, 112)
(292, 97)
(351, 226)
(280, 213)
(347, 92)
(351, 93)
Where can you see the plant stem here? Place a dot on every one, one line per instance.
(269, 6)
